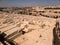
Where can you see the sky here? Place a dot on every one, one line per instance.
(21, 3)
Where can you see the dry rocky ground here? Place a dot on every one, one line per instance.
(39, 29)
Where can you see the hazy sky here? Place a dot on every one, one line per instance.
(20, 3)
